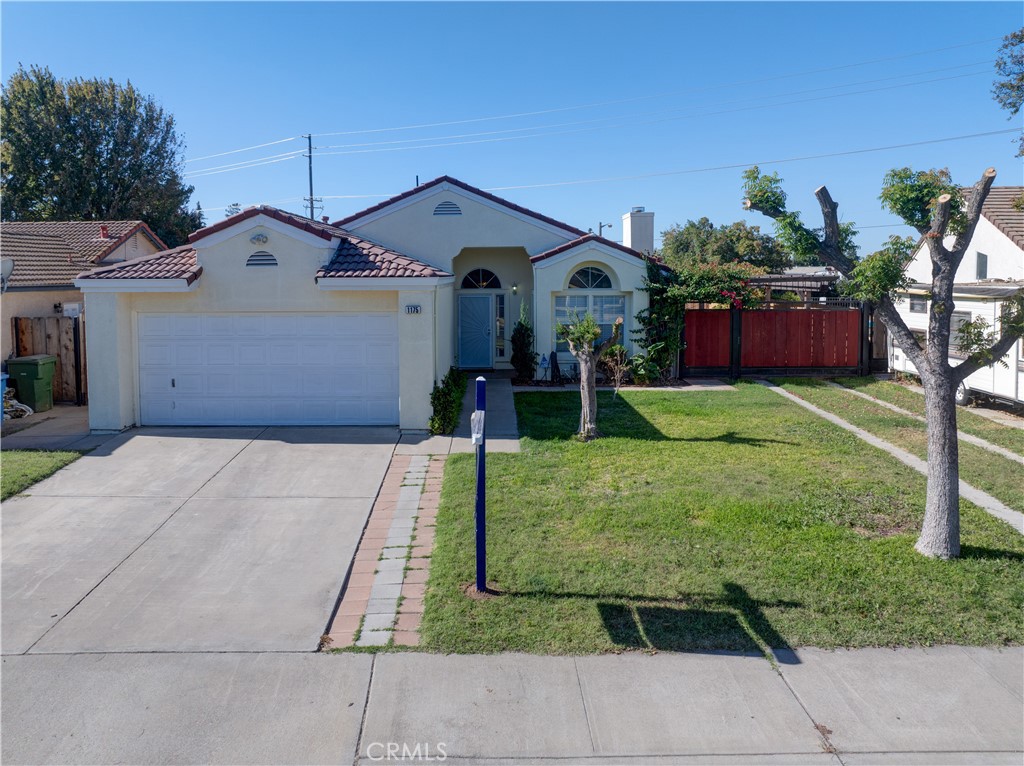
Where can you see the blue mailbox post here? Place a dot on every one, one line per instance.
(480, 440)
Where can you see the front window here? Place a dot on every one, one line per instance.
(918, 304)
(481, 279)
(604, 308)
(590, 278)
(499, 326)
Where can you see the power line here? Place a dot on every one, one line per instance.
(633, 123)
(660, 112)
(732, 166)
(294, 153)
(655, 95)
(257, 163)
(605, 103)
(736, 165)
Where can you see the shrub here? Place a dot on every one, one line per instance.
(524, 358)
(446, 400)
(646, 367)
(614, 363)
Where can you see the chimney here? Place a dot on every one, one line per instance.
(104, 231)
(638, 230)
(325, 218)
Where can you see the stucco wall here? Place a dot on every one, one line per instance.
(30, 303)
(438, 239)
(137, 245)
(1005, 259)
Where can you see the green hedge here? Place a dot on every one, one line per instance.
(446, 399)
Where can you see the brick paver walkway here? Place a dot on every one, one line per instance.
(383, 598)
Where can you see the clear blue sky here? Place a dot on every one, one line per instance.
(698, 85)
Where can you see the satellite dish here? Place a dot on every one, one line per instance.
(6, 269)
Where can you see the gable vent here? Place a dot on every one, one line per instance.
(447, 208)
(261, 258)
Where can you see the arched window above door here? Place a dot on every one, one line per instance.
(481, 279)
(590, 278)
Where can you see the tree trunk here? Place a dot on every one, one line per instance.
(940, 532)
(588, 396)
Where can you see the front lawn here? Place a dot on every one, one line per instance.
(986, 470)
(1005, 436)
(20, 469)
(718, 520)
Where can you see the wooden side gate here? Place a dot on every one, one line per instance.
(800, 339)
(64, 338)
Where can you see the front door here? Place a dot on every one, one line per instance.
(475, 328)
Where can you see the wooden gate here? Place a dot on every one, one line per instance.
(802, 338)
(64, 338)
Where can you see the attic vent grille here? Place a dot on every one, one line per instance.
(447, 208)
(261, 258)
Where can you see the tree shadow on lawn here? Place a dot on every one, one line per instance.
(540, 421)
(996, 554)
(675, 625)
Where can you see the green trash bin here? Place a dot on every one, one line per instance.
(32, 376)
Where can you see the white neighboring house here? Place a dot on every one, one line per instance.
(270, 318)
(991, 272)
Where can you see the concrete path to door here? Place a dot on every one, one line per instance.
(185, 540)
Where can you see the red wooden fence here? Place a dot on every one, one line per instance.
(806, 338)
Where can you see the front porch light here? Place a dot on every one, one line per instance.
(515, 288)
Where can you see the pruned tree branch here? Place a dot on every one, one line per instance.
(973, 212)
(904, 338)
(831, 248)
(975, 362)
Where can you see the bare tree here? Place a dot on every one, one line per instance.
(581, 337)
(945, 216)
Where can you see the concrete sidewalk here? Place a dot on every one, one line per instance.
(941, 705)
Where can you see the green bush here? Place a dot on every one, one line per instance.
(646, 367)
(446, 400)
(524, 358)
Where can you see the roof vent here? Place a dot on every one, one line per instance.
(447, 208)
(261, 258)
(639, 210)
(104, 231)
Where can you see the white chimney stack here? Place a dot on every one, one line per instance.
(638, 230)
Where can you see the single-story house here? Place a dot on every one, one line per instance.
(49, 255)
(268, 317)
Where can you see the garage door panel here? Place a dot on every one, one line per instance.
(268, 369)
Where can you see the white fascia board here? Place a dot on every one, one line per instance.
(265, 221)
(136, 285)
(458, 191)
(382, 283)
(603, 249)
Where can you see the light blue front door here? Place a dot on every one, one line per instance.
(476, 321)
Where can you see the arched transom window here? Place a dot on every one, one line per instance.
(590, 278)
(481, 279)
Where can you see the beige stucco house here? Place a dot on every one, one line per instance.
(49, 255)
(271, 318)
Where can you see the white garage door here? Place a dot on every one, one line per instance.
(268, 369)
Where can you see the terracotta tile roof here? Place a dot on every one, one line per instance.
(999, 209)
(466, 187)
(41, 260)
(583, 240)
(176, 263)
(85, 237)
(357, 257)
(322, 230)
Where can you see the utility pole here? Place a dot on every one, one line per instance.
(309, 143)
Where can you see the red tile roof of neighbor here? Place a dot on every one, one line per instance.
(582, 241)
(358, 257)
(52, 253)
(466, 187)
(176, 263)
(999, 209)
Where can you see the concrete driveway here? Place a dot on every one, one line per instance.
(184, 540)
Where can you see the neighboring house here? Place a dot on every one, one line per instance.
(991, 271)
(49, 255)
(270, 318)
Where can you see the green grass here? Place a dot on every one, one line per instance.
(976, 425)
(992, 473)
(20, 469)
(719, 520)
